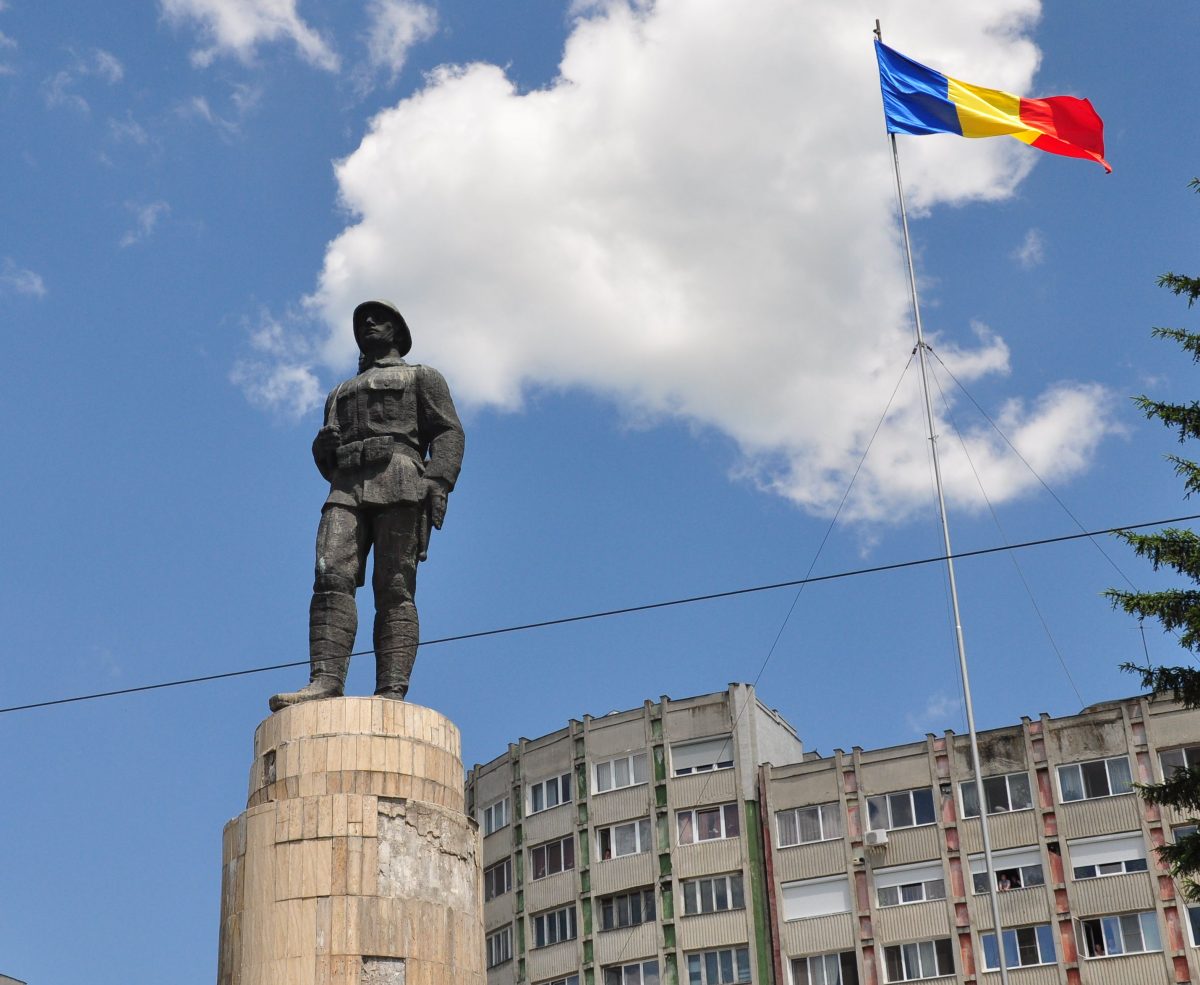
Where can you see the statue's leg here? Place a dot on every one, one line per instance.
(397, 536)
(342, 540)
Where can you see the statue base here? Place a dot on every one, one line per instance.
(353, 863)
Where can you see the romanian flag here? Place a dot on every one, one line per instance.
(918, 100)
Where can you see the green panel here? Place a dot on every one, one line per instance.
(516, 769)
(660, 795)
(671, 971)
(758, 894)
(583, 849)
(669, 935)
(668, 901)
(585, 882)
(520, 901)
(664, 864)
(589, 977)
(579, 747)
(581, 783)
(588, 954)
(519, 868)
(664, 833)
(583, 814)
(517, 835)
(521, 970)
(656, 728)
(660, 764)
(521, 938)
(587, 918)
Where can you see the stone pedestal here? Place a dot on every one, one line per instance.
(353, 863)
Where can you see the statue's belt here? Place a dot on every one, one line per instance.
(357, 454)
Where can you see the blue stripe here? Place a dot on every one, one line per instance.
(915, 98)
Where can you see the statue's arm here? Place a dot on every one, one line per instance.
(440, 428)
(324, 447)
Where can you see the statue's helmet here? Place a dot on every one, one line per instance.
(386, 308)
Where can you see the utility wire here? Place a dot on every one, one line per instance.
(1003, 536)
(645, 607)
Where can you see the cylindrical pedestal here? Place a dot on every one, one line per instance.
(353, 863)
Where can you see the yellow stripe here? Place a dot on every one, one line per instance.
(985, 112)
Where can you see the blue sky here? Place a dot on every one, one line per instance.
(655, 253)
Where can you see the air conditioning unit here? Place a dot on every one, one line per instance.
(875, 839)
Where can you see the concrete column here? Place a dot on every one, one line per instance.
(353, 863)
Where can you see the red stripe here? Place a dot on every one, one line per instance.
(1071, 127)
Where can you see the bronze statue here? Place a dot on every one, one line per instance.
(391, 448)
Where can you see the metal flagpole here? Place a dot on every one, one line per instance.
(958, 632)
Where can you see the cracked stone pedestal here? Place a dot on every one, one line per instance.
(353, 863)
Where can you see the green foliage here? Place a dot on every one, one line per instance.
(1177, 610)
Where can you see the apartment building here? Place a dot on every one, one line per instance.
(876, 868)
(693, 841)
(628, 849)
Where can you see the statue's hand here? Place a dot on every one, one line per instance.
(325, 445)
(437, 495)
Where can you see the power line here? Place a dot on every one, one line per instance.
(628, 610)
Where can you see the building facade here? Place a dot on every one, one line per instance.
(694, 842)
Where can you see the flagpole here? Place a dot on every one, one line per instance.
(922, 350)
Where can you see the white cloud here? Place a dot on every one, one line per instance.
(941, 711)
(1032, 251)
(106, 65)
(697, 221)
(278, 376)
(394, 27)
(128, 129)
(238, 27)
(59, 89)
(146, 218)
(15, 279)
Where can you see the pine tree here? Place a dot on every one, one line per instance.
(1176, 609)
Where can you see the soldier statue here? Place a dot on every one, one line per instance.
(391, 447)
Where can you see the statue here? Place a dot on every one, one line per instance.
(391, 447)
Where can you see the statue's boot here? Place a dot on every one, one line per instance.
(396, 636)
(332, 624)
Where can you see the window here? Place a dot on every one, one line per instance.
(909, 884)
(497, 879)
(1108, 856)
(1179, 759)
(1193, 913)
(1023, 947)
(826, 969)
(1000, 793)
(903, 809)
(725, 966)
(924, 959)
(494, 816)
(638, 973)
(803, 825)
(1183, 831)
(1129, 933)
(702, 757)
(708, 824)
(630, 838)
(815, 897)
(624, 771)
(499, 947)
(552, 857)
(1099, 778)
(554, 926)
(627, 909)
(1018, 868)
(549, 793)
(569, 980)
(712, 894)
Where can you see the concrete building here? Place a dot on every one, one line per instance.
(694, 841)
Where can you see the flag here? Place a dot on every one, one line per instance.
(919, 100)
